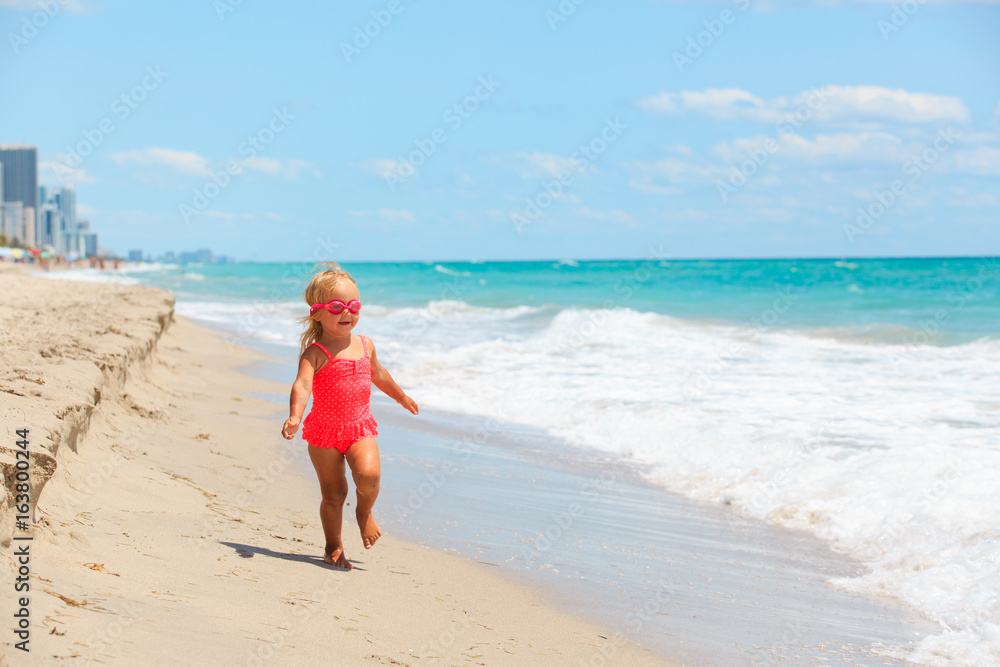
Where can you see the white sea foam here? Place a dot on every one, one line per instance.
(451, 272)
(120, 276)
(88, 275)
(888, 451)
(146, 267)
(266, 320)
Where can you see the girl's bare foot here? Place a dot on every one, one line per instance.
(335, 556)
(369, 529)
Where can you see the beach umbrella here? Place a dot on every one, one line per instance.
(16, 253)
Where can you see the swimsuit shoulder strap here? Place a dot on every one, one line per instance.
(325, 351)
(364, 343)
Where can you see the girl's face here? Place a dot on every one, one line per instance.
(342, 323)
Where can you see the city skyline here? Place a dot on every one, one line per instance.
(200, 256)
(716, 129)
(36, 216)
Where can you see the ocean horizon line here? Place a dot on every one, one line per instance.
(834, 258)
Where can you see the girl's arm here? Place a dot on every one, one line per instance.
(301, 389)
(384, 381)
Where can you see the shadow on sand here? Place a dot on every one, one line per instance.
(249, 551)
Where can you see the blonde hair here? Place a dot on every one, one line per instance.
(328, 276)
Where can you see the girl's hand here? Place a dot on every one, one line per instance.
(290, 427)
(409, 404)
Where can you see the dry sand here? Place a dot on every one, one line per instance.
(173, 526)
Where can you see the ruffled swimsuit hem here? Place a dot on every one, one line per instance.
(319, 434)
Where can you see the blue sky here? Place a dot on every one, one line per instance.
(515, 130)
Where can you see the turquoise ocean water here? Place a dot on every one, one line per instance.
(858, 297)
(856, 399)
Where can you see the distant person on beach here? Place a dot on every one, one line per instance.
(340, 427)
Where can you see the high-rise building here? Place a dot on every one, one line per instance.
(20, 184)
(88, 239)
(49, 225)
(65, 200)
(12, 221)
(20, 174)
(68, 237)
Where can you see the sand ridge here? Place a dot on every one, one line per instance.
(177, 529)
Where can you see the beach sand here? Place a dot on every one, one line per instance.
(175, 526)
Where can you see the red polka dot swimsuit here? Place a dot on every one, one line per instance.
(342, 391)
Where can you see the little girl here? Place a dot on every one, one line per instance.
(340, 369)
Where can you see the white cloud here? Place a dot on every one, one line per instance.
(185, 162)
(677, 171)
(537, 165)
(58, 174)
(718, 103)
(830, 104)
(663, 176)
(967, 153)
(287, 168)
(878, 103)
(551, 164)
(867, 147)
(983, 161)
(836, 163)
(381, 167)
(970, 138)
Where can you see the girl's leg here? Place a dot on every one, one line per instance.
(329, 465)
(362, 456)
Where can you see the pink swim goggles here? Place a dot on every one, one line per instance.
(337, 307)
